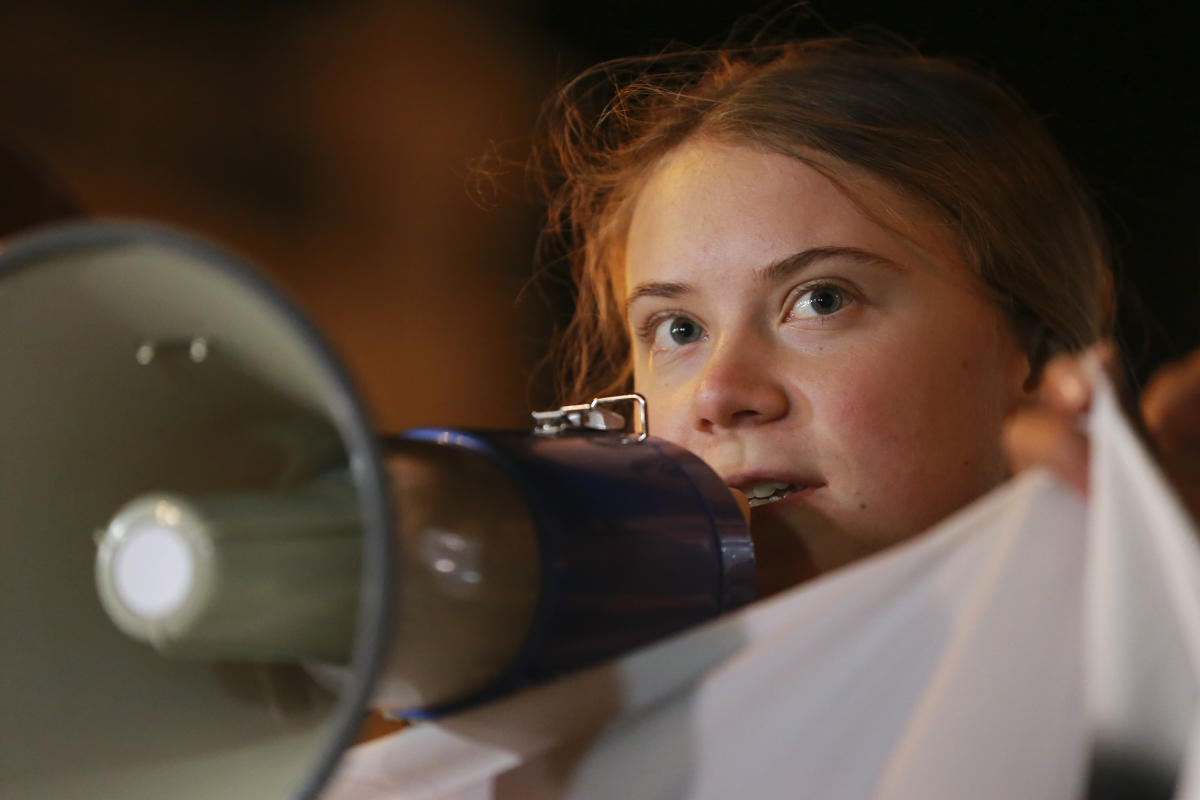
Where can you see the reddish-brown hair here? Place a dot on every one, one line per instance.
(959, 143)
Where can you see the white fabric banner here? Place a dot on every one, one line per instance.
(987, 658)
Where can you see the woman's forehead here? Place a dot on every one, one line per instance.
(712, 205)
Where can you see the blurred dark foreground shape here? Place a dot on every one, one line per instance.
(31, 193)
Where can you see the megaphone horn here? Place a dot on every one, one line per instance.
(138, 360)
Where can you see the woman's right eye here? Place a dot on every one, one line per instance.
(676, 331)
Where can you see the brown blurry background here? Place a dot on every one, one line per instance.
(331, 141)
(330, 145)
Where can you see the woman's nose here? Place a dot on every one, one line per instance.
(738, 387)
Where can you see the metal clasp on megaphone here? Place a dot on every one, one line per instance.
(595, 416)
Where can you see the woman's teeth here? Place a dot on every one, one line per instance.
(768, 492)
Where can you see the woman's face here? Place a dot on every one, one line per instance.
(851, 379)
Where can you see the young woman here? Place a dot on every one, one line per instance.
(836, 270)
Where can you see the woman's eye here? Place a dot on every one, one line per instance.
(820, 301)
(676, 331)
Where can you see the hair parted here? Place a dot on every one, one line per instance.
(959, 143)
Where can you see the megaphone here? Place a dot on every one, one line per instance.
(213, 564)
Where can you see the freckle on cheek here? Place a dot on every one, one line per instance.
(862, 506)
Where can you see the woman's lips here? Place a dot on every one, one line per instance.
(761, 491)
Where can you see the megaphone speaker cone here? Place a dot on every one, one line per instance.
(108, 397)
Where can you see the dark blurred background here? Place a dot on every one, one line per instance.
(332, 143)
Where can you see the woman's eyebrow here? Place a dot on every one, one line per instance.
(783, 268)
(797, 262)
(656, 289)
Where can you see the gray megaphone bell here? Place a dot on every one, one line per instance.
(213, 565)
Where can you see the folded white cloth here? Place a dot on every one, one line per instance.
(991, 657)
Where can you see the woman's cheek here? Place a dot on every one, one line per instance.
(878, 431)
(667, 409)
(858, 419)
